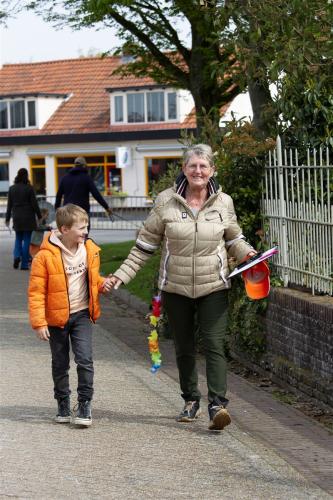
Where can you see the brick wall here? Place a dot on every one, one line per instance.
(299, 333)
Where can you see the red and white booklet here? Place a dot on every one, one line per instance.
(252, 261)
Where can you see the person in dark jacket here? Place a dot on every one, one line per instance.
(76, 186)
(23, 207)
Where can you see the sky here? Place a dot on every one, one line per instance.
(29, 39)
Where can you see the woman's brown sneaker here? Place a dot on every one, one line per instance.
(218, 416)
(190, 412)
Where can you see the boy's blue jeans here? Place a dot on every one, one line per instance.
(21, 247)
(78, 333)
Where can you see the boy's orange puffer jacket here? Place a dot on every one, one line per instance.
(48, 294)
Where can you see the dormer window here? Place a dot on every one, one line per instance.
(17, 113)
(143, 106)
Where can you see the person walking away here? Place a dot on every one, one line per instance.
(63, 302)
(76, 187)
(23, 207)
(37, 235)
(196, 224)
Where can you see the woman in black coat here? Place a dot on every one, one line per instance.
(23, 207)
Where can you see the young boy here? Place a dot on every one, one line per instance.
(63, 303)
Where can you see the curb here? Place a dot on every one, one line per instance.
(131, 300)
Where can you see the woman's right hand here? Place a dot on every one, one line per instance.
(114, 281)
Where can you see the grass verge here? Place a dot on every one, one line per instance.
(113, 255)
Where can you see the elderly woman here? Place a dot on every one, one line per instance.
(196, 224)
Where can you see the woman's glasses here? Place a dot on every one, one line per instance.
(202, 168)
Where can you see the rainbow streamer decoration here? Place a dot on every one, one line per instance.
(154, 318)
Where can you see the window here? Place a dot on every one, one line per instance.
(155, 106)
(158, 167)
(172, 106)
(4, 178)
(17, 113)
(144, 107)
(38, 176)
(101, 168)
(118, 108)
(3, 115)
(135, 108)
(31, 114)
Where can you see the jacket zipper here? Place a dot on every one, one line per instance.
(165, 264)
(90, 288)
(66, 280)
(193, 259)
(195, 219)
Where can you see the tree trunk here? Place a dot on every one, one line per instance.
(205, 83)
(261, 99)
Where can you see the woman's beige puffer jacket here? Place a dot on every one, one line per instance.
(195, 248)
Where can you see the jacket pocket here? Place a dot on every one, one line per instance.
(221, 262)
(213, 216)
(164, 280)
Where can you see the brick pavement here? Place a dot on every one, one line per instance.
(135, 449)
(301, 441)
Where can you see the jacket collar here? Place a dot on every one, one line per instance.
(182, 183)
(48, 244)
(78, 169)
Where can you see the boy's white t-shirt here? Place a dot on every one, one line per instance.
(76, 270)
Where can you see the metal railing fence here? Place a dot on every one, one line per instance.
(298, 207)
(129, 212)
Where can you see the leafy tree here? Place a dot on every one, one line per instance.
(286, 42)
(9, 8)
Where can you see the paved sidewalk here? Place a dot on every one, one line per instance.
(134, 449)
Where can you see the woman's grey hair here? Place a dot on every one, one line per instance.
(201, 150)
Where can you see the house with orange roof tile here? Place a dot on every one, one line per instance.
(52, 112)
(127, 128)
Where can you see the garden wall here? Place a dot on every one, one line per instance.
(299, 334)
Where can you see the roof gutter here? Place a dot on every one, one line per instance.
(135, 135)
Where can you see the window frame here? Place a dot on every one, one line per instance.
(124, 93)
(171, 158)
(105, 163)
(6, 163)
(26, 113)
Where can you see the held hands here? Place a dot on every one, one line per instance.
(111, 282)
(115, 282)
(107, 285)
(42, 333)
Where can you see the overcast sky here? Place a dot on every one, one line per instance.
(28, 39)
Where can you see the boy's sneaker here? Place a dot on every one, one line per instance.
(190, 412)
(218, 416)
(82, 414)
(64, 411)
